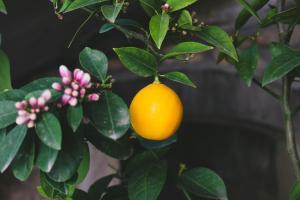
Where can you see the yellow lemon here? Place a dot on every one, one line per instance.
(156, 112)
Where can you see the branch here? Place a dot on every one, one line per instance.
(268, 90)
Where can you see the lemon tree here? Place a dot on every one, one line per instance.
(48, 122)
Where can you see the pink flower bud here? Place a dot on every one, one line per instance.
(75, 93)
(37, 110)
(85, 80)
(79, 75)
(46, 108)
(75, 86)
(32, 116)
(75, 72)
(57, 86)
(65, 99)
(33, 102)
(30, 124)
(41, 102)
(46, 95)
(21, 120)
(68, 91)
(19, 106)
(22, 113)
(73, 101)
(82, 92)
(65, 72)
(66, 80)
(93, 97)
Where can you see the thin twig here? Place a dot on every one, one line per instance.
(80, 27)
(268, 90)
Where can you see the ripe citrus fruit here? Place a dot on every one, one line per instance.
(156, 112)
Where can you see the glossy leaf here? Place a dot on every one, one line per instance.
(120, 149)
(151, 144)
(5, 80)
(280, 66)
(180, 78)
(216, 37)
(151, 7)
(68, 160)
(179, 4)
(250, 9)
(245, 15)
(95, 62)
(147, 182)
(81, 4)
(74, 116)
(287, 16)
(46, 157)
(110, 116)
(84, 165)
(98, 188)
(203, 182)
(10, 145)
(159, 26)
(8, 113)
(52, 189)
(2, 7)
(49, 131)
(122, 22)
(24, 161)
(40, 84)
(116, 192)
(138, 61)
(247, 64)
(186, 48)
(111, 12)
(12, 95)
(185, 18)
(295, 192)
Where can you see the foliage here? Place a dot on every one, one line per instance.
(81, 108)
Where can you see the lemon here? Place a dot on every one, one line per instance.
(156, 112)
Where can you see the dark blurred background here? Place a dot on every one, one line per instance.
(235, 130)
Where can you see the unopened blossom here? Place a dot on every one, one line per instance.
(74, 86)
(29, 110)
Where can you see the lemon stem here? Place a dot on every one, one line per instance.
(156, 79)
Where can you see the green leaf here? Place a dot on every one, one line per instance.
(247, 64)
(46, 157)
(122, 22)
(40, 84)
(111, 12)
(159, 26)
(245, 15)
(41, 192)
(186, 48)
(185, 18)
(179, 4)
(24, 160)
(147, 182)
(84, 165)
(95, 62)
(68, 160)
(98, 188)
(138, 61)
(12, 95)
(250, 9)
(218, 38)
(8, 113)
(287, 16)
(55, 95)
(151, 7)
(280, 66)
(203, 182)
(80, 195)
(52, 189)
(295, 192)
(120, 149)
(2, 7)
(65, 5)
(49, 131)
(180, 78)
(10, 145)
(110, 116)
(5, 80)
(151, 144)
(74, 116)
(82, 3)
